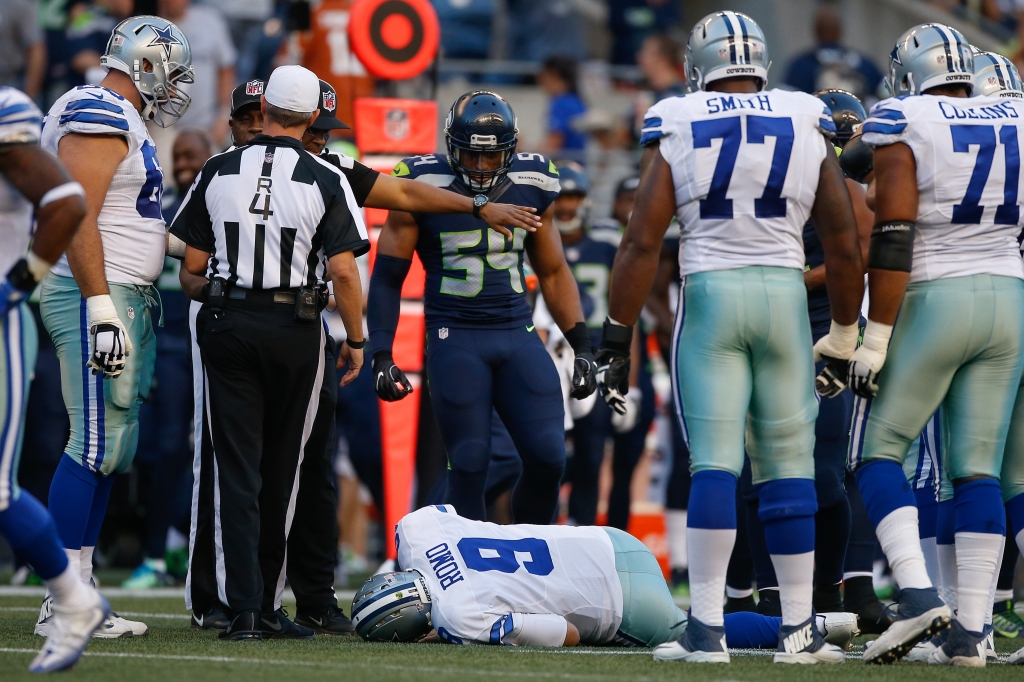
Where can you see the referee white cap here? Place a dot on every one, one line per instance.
(293, 88)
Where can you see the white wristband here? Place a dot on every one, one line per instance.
(100, 308)
(845, 334)
(37, 266)
(175, 247)
(876, 336)
(59, 192)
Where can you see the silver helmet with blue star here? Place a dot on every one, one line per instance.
(155, 54)
(996, 76)
(725, 45)
(929, 56)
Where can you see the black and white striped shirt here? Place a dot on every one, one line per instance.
(270, 214)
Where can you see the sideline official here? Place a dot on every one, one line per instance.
(261, 223)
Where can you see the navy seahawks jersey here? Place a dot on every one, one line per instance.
(818, 307)
(474, 276)
(591, 260)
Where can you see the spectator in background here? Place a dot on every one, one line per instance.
(213, 57)
(467, 27)
(661, 61)
(165, 419)
(558, 78)
(22, 47)
(325, 51)
(539, 29)
(830, 65)
(633, 21)
(243, 16)
(87, 33)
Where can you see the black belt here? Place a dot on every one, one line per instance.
(285, 296)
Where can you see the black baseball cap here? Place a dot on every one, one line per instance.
(247, 93)
(328, 119)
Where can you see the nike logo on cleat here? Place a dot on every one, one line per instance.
(318, 622)
(199, 620)
(531, 327)
(798, 641)
(272, 625)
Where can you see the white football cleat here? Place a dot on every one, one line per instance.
(838, 628)
(70, 631)
(699, 643)
(1016, 658)
(923, 650)
(921, 614)
(116, 627)
(803, 644)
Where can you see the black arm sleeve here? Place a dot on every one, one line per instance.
(192, 224)
(339, 229)
(360, 177)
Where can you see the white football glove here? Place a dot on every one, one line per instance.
(835, 348)
(109, 343)
(867, 361)
(626, 422)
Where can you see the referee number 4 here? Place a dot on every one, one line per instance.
(265, 212)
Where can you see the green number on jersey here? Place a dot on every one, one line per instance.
(594, 278)
(497, 258)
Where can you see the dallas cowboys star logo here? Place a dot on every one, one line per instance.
(894, 56)
(164, 38)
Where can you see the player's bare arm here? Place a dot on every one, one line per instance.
(637, 261)
(92, 161)
(561, 294)
(34, 172)
(815, 277)
(348, 295)
(836, 226)
(401, 194)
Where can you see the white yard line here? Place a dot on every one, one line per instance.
(134, 614)
(344, 596)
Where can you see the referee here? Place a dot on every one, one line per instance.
(262, 223)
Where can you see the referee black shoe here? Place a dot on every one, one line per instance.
(276, 624)
(330, 621)
(214, 619)
(244, 627)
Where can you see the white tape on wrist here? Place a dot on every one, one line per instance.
(175, 247)
(877, 335)
(37, 266)
(68, 189)
(100, 308)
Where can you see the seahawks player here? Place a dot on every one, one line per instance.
(944, 255)
(744, 372)
(482, 349)
(34, 180)
(481, 583)
(98, 303)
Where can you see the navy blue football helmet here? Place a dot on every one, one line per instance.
(847, 113)
(572, 179)
(481, 121)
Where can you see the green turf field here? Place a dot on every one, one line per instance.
(174, 653)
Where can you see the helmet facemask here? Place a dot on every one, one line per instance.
(480, 180)
(165, 102)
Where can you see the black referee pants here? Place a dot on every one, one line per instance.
(263, 374)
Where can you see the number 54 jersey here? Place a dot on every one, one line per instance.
(517, 584)
(745, 169)
(130, 222)
(967, 153)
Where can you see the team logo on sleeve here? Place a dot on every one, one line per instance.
(254, 87)
(330, 101)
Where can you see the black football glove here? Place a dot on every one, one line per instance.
(613, 365)
(584, 376)
(832, 379)
(389, 381)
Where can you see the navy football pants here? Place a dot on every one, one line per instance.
(475, 371)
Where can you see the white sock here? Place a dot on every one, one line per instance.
(733, 593)
(992, 587)
(898, 535)
(1002, 595)
(75, 560)
(67, 589)
(977, 558)
(675, 530)
(711, 551)
(947, 575)
(175, 540)
(858, 574)
(87, 564)
(795, 573)
(931, 559)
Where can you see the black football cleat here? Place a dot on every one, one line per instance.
(277, 625)
(244, 627)
(329, 621)
(216, 618)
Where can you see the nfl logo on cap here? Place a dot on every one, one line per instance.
(254, 87)
(330, 101)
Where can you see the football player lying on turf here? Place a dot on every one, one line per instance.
(481, 583)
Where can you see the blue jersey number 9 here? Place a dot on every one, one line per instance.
(493, 554)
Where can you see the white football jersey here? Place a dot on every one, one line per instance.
(516, 584)
(745, 169)
(130, 222)
(968, 179)
(20, 121)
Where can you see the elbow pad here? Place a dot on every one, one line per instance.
(857, 160)
(892, 246)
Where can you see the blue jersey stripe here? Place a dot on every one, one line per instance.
(97, 119)
(884, 128)
(649, 136)
(889, 114)
(826, 123)
(103, 105)
(15, 109)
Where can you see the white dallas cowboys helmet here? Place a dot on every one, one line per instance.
(996, 76)
(725, 45)
(928, 56)
(155, 54)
